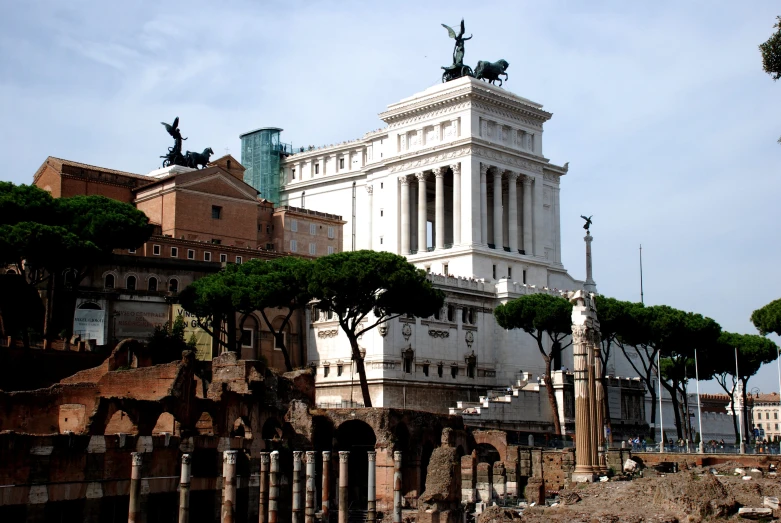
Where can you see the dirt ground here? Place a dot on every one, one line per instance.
(688, 496)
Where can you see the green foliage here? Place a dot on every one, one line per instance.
(753, 352)
(537, 314)
(282, 282)
(167, 342)
(771, 52)
(353, 284)
(767, 319)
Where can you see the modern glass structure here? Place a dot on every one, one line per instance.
(261, 150)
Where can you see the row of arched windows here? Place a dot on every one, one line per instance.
(131, 283)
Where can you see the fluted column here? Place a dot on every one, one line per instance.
(599, 399)
(512, 218)
(371, 495)
(326, 490)
(404, 216)
(370, 193)
(539, 231)
(592, 387)
(263, 501)
(439, 206)
(344, 459)
(297, 505)
(456, 168)
(498, 240)
(421, 212)
(583, 466)
(273, 488)
(311, 488)
(483, 203)
(184, 490)
(228, 486)
(528, 246)
(134, 506)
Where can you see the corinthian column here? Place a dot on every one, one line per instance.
(528, 246)
(512, 218)
(483, 203)
(456, 168)
(583, 466)
(370, 191)
(439, 205)
(421, 212)
(599, 400)
(404, 216)
(498, 239)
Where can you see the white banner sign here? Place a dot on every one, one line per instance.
(90, 324)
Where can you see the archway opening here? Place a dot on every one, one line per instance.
(120, 422)
(166, 423)
(358, 438)
(271, 431)
(241, 428)
(487, 453)
(205, 425)
(425, 458)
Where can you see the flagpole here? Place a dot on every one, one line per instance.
(740, 419)
(641, 274)
(701, 449)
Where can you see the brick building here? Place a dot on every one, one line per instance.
(203, 219)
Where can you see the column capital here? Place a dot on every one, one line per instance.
(404, 180)
(439, 172)
(297, 456)
(371, 455)
(264, 457)
(421, 176)
(484, 168)
(511, 175)
(497, 173)
(275, 457)
(310, 456)
(186, 459)
(230, 457)
(527, 180)
(370, 189)
(344, 456)
(326, 456)
(138, 459)
(456, 168)
(397, 456)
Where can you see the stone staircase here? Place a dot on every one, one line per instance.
(499, 402)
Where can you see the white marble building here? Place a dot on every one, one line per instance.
(456, 182)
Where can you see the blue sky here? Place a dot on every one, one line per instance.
(662, 110)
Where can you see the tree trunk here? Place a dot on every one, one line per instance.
(280, 338)
(654, 402)
(49, 313)
(367, 399)
(674, 399)
(554, 405)
(735, 418)
(231, 326)
(606, 403)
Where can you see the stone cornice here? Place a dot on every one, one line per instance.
(471, 92)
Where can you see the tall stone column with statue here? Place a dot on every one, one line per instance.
(589, 434)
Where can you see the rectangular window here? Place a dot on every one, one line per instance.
(280, 339)
(268, 229)
(524, 276)
(174, 252)
(156, 250)
(317, 168)
(293, 172)
(445, 268)
(341, 163)
(223, 258)
(238, 260)
(190, 254)
(494, 271)
(269, 246)
(131, 251)
(312, 229)
(339, 369)
(509, 272)
(216, 212)
(247, 338)
(326, 370)
(215, 241)
(294, 225)
(207, 256)
(454, 371)
(381, 185)
(775, 415)
(312, 248)
(330, 250)
(293, 246)
(381, 238)
(331, 233)
(382, 213)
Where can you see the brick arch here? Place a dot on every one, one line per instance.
(497, 439)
